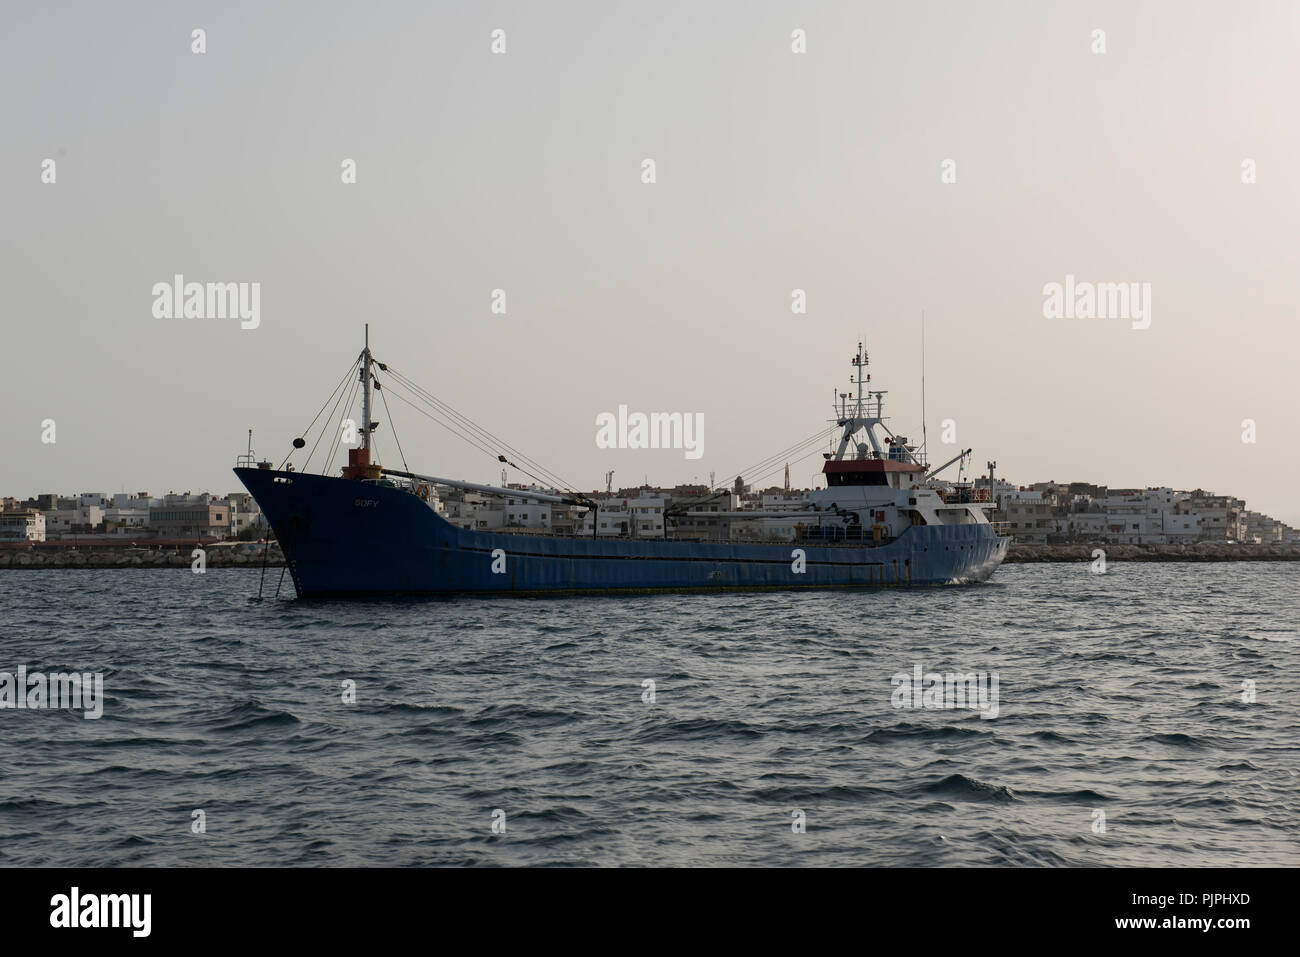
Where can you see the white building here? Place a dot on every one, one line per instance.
(138, 501)
(489, 513)
(1030, 522)
(1262, 528)
(1027, 495)
(244, 512)
(1183, 527)
(792, 501)
(125, 519)
(1221, 515)
(1089, 526)
(62, 520)
(633, 516)
(1140, 516)
(528, 513)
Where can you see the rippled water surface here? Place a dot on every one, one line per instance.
(1120, 694)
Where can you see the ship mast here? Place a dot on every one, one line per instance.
(365, 395)
(860, 361)
(861, 417)
(359, 465)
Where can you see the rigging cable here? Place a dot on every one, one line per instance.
(778, 468)
(549, 477)
(791, 450)
(767, 462)
(334, 446)
(307, 431)
(430, 416)
(392, 426)
(477, 436)
(325, 425)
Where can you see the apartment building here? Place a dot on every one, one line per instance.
(191, 516)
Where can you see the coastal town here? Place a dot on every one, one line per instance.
(1044, 513)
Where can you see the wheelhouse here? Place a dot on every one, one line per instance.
(879, 472)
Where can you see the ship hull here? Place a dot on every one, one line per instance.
(346, 538)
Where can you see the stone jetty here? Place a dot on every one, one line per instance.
(1192, 552)
(171, 556)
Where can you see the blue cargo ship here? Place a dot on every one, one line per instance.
(882, 520)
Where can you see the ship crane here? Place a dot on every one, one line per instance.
(579, 500)
(959, 456)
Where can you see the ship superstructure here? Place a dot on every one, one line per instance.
(878, 478)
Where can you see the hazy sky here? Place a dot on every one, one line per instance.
(775, 171)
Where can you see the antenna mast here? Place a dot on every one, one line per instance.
(925, 448)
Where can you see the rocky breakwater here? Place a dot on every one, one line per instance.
(214, 556)
(1194, 552)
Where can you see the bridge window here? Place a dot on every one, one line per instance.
(856, 478)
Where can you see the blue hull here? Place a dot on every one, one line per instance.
(345, 538)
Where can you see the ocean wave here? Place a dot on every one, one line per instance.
(960, 787)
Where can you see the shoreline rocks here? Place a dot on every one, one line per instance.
(170, 557)
(1194, 552)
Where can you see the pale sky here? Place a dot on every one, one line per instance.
(775, 171)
